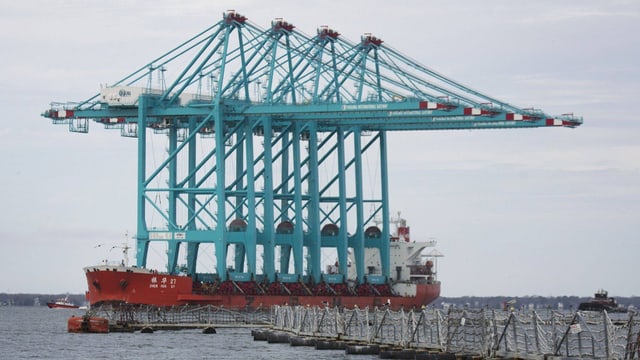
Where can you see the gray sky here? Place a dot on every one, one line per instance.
(548, 211)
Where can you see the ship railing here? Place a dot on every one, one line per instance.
(420, 270)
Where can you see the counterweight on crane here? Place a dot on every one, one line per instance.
(286, 120)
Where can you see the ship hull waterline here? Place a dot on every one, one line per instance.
(120, 285)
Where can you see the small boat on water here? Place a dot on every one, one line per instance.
(601, 301)
(62, 303)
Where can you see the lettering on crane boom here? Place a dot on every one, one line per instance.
(364, 107)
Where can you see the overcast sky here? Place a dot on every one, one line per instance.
(547, 211)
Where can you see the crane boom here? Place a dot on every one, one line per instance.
(274, 109)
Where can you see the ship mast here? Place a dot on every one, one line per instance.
(125, 250)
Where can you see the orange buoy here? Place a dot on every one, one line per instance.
(87, 324)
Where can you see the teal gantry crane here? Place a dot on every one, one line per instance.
(268, 130)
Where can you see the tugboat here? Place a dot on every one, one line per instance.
(601, 301)
(62, 303)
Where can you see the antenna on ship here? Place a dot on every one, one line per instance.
(401, 229)
(125, 247)
(125, 250)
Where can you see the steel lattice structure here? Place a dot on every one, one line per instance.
(285, 120)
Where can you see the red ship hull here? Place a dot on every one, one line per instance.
(112, 285)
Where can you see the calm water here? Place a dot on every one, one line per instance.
(41, 333)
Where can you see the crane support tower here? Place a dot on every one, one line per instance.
(268, 132)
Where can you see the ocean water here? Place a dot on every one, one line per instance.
(41, 333)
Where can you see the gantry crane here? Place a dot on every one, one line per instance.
(285, 121)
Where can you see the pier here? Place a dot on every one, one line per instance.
(414, 333)
(484, 333)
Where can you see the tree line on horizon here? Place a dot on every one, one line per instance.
(476, 302)
(38, 299)
(528, 302)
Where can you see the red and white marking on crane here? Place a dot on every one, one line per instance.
(479, 112)
(63, 114)
(517, 117)
(430, 105)
(118, 120)
(556, 122)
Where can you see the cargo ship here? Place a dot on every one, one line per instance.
(413, 284)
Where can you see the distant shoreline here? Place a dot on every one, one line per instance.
(491, 302)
